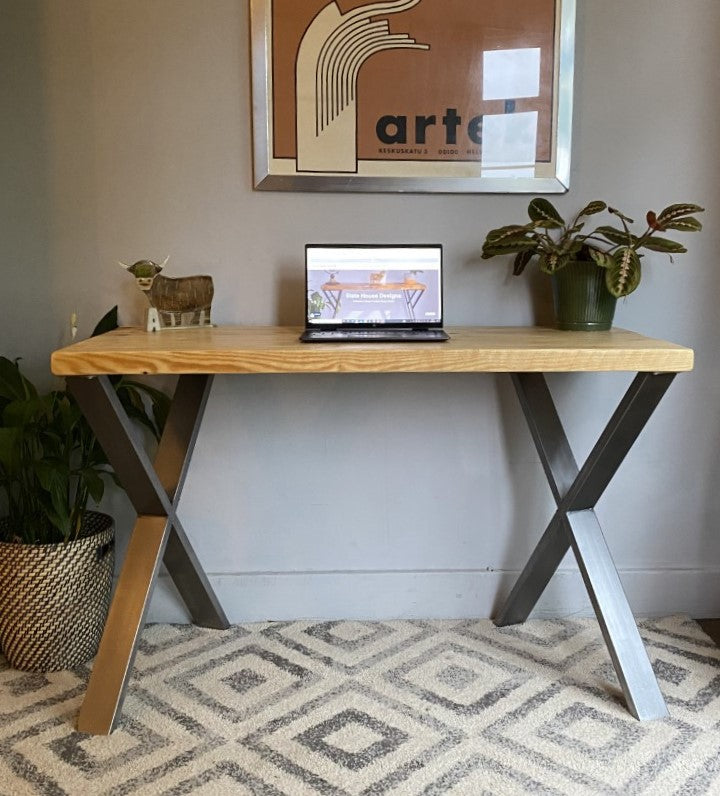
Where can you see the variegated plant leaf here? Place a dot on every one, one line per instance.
(603, 259)
(615, 235)
(591, 208)
(541, 210)
(623, 276)
(617, 213)
(501, 233)
(673, 212)
(508, 247)
(521, 260)
(685, 224)
(666, 245)
(550, 262)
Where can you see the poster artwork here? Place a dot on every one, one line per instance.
(410, 88)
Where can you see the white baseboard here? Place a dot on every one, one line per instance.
(253, 597)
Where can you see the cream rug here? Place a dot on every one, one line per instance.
(348, 708)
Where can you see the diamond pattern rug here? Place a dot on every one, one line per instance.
(350, 708)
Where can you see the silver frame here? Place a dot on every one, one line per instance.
(260, 31)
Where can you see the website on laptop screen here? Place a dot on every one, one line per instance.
(374, 284)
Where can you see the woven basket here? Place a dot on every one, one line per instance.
(54, 598)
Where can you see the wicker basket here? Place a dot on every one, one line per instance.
(54, 598)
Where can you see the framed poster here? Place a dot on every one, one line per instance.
(412, 95)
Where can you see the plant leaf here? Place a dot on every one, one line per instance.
(617, 213)
(603, 259)
(623, 276)
(496, 235)
(541, 210)
(657, 244)
(615, 235)
(107, 323)
(685, 224)
(550, 262)
(591, 208)
(512, 247)
(673, 212)
(95, 485)
(521, 260)
(13, 385)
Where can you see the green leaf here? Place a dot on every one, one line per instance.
(666, 245)
(107, 323)
(623, 276)
(603, 259)
(499, 234)
(615, 235)
(617, 213)
(550, 262)
(541, 210)
(521, 260)
(673, 212)
(591, 208)
(13, 385)
(512, 247)
(10, 441)
(685, 224)
(95, 485)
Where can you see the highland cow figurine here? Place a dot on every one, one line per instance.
(175, 302)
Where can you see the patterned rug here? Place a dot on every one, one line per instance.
(349, 708)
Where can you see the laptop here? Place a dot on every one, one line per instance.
(373, 293)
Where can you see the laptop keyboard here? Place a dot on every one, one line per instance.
(375, 335)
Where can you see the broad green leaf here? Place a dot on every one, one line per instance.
(550, 262)
(95, 485)
(13, 385)
(657, 244)
(52, 473)
(603, 259)
(614, 235)
(501, 233)
(107, 323)
(623, 276)
(521, 260)
(508, 248)
(673, 212)
(10, 441)
(542, 210)
(591, 208)
(686, 224)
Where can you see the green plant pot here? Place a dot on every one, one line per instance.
(54, 598)
(582, 301)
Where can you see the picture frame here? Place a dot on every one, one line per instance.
(437, 96)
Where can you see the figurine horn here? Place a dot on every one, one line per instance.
(124, 265)
(164, 262)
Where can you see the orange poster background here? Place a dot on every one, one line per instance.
(423, 83)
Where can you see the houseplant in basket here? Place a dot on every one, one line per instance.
(590, 269)
(56, 553)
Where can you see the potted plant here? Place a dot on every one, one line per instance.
(56, 552)
(590, 269)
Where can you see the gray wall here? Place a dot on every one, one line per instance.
(364, 496)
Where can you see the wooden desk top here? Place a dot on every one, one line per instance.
(276, 349)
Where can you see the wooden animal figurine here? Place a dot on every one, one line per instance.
(175, 302)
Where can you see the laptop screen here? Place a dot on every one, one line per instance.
(369, 284)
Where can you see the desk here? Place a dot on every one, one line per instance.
(525, 353)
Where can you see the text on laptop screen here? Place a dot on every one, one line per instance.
(374, 284)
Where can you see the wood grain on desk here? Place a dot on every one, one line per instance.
(276, 349)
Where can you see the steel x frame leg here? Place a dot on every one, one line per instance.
(154, 490)
(576, 491)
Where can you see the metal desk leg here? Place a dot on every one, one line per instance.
(154, 491)
(575, 525)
